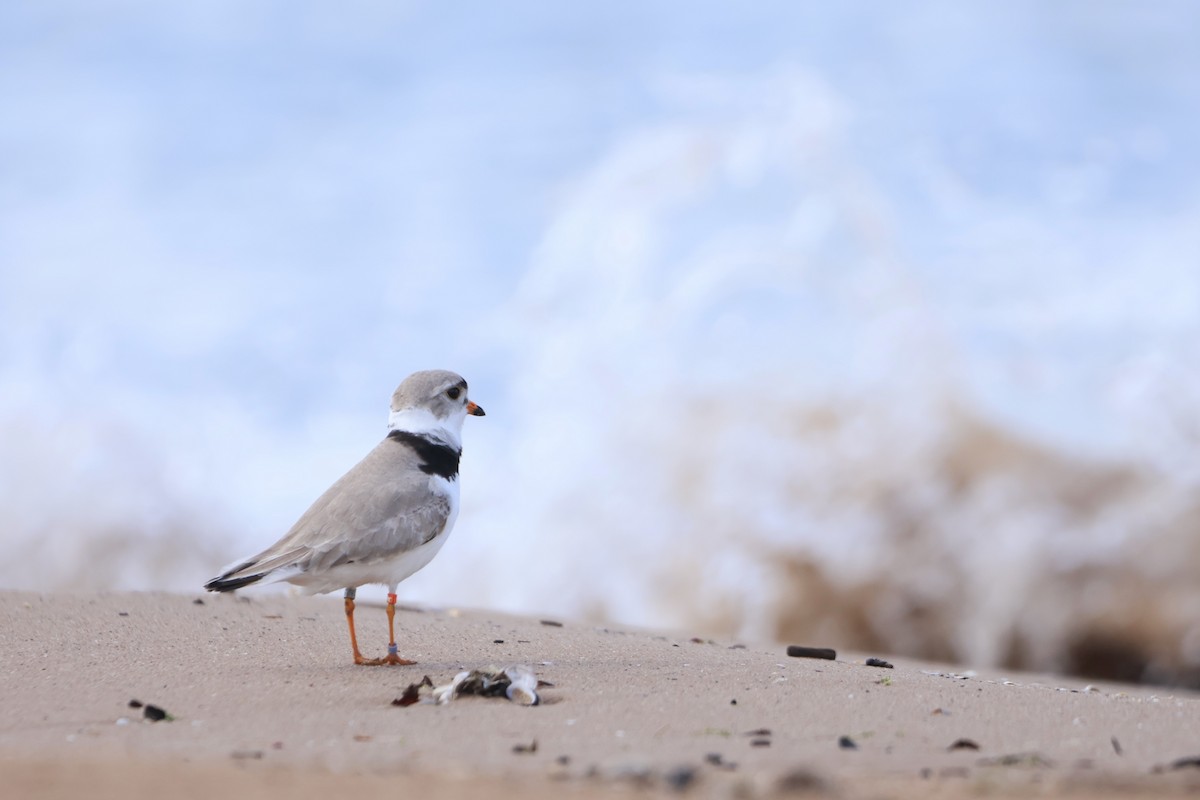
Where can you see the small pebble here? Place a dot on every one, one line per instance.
(246, 755)
(846, 743)
(797, 651)
(964, 744)
(551, 623)
(154, 713)
(878, 662)
(681, 778)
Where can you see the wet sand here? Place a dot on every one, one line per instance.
(265, 703)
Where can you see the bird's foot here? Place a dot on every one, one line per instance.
(391, 659)
(395, 660)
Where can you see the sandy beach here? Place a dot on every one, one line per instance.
(264, 702)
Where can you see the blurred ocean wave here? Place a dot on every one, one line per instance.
(884, 341)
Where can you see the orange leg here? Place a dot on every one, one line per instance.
(393, 656)
(349, 603)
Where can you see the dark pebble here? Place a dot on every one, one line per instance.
(197, 602)
(243, 755)
(497, 641)
(1116, 745)
(796, 651)
(733, 702)
(1187, 762)
(758, 732)
(562, 760)
(879, 662)
(154, 713)
(526, 748)
(681, 778)
(760, 742)
(964, 744)
(552, 623)
(846, 743)
(122, 613)
(135, 703)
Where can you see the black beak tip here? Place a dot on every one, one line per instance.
(478, 412)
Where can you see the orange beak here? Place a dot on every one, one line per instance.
(474, 410)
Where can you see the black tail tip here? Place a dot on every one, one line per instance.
(229, 584)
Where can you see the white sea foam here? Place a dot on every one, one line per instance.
(779, 354)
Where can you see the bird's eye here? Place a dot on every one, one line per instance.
(453, 392)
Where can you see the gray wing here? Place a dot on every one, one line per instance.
(382, 507)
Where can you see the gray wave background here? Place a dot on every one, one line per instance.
(862, 324)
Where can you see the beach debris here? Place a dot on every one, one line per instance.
(681, 778)
(517, 683)
(151, 712)
(758, 732)
(1116, 745)
(198, 602)
(1187, 762)
(525, 748)
(1030, 759)
(155, 714)
(760, 742)
(963, 744)
(246, 755)
(717, 760)
(552, 623)
(497, 641)
(799, 651)
(878, 662)
(412, 694)
(846, 743)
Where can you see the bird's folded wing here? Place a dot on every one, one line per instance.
(381, 508)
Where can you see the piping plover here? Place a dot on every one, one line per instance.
(385, 518)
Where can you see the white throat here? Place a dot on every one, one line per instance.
(422, 420)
